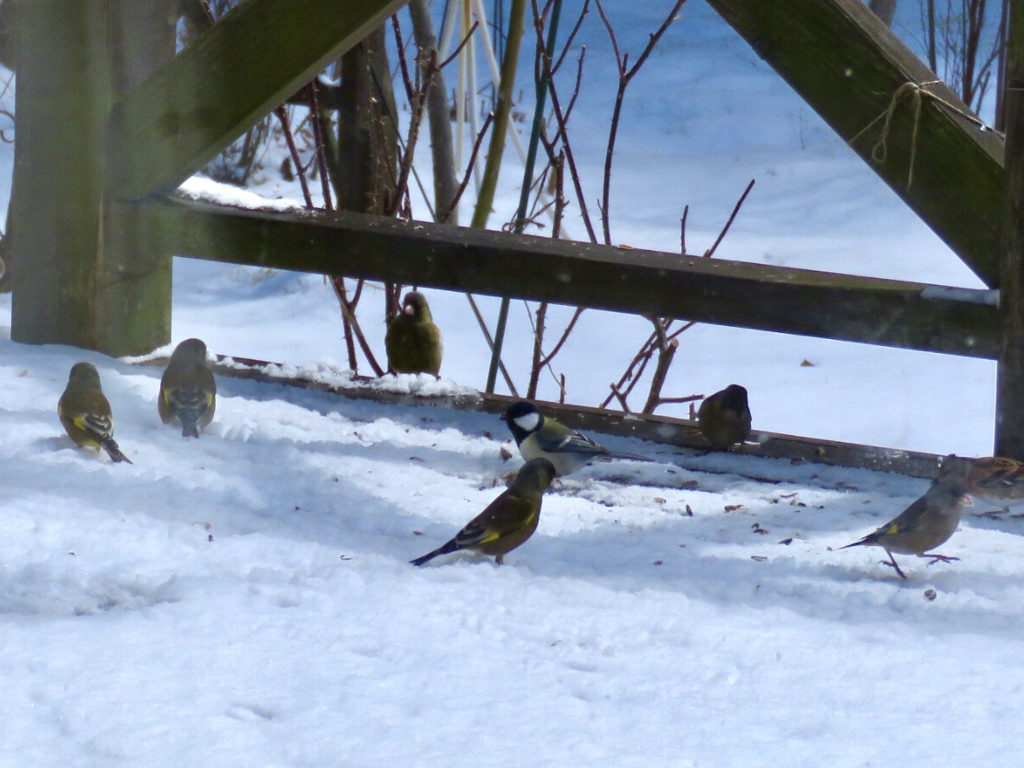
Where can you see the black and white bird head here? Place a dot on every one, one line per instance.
(523, 419)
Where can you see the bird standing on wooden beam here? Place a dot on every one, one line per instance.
(412, 341)
(724, 417)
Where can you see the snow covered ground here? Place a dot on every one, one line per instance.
(245, 599)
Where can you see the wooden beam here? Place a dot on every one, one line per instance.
(249, 62)
(871, 310)
(661, 430)
(849, 67)
(1010, 378)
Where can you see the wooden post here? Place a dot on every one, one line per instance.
(749, 295)
(83, 276)
(849, 68)
(1010, 380)
(61, 105)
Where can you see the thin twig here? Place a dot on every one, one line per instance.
(561, 120)
(682, 230)
(282, 116)
(626, 74)
(350, 319)
(317, 120)
(469, 168)
(490, 344)
(410, 143)
(736, 209)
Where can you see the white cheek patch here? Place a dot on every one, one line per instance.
(409, 309)
(529, 422)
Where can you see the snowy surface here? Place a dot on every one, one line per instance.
(245, 599)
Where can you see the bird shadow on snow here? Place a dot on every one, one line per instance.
(682, 555)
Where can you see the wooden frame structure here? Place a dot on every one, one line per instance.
(96, 228)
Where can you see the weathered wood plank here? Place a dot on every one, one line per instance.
(848, 66)
(1009, 389)
(871, 310)
(55, 208)
(81, 276)
(249, 62)
(661, 430)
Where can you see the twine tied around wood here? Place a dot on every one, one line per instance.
(917, 92)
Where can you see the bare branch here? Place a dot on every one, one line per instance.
(446, 215)
(736, 209)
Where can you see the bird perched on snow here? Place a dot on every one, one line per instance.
(539, 436)
(188, 391)
(927, 523)
(412, 341)
(85, 412)
(724, 417)
(507, 521)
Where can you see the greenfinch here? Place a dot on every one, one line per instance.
(85, 412)
(188, 391)
(927, 523)
(507, 521)
(539, 436)
(412, 341)
(724, 417)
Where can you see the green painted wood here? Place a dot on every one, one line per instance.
(60, 105)
(871, 310)
(847, 65)
(78, 277)
(251, 61)
(1009, 392)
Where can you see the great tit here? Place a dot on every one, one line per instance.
(539, 436)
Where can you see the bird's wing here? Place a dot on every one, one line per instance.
(908, 520)
(89, 411)
(506, 514)
(569, 442)
(189, 398)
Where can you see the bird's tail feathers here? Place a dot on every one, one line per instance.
(189, 422)
(445, 549)
(871, 538)
(112, 449)
(628, 456)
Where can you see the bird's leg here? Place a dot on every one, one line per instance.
(499, 559)
(936, 558)
(892, 563)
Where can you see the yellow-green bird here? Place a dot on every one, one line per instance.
(928, 522)
(85, 412)
(724, 417)
(188, 391)
(412, 341)
(508, 521)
